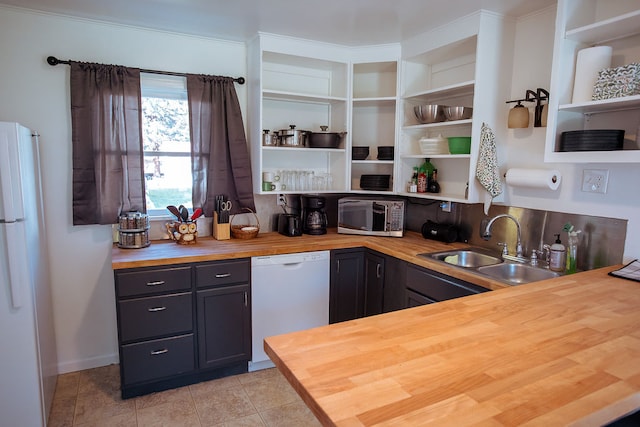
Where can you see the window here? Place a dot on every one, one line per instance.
(166, 142)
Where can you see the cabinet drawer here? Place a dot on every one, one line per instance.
(155, 316)
(144, 282)
(156, 359)
(439, 287)
(223, 273)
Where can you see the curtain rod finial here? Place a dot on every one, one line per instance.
(52, 60)
(240, 80)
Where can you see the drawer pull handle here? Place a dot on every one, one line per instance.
(156, 283)
(154, 309)
(157, 352)
(223, 275)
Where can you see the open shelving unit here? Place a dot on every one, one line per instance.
(582, 24)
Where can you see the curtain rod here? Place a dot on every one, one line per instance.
(52, 60)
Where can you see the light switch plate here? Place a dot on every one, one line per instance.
(595, 180)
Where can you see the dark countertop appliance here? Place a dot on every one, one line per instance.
(314, 216)
(289, 225)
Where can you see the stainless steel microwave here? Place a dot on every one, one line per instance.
(371, 217)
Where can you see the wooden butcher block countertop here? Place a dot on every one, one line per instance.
(564, 351)
(208, 249)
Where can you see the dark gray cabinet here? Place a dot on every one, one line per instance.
(224, 313)
(395, 273)
(364, 282)
(182, 324)
(374, 268)
(346, 291)
(424, 286)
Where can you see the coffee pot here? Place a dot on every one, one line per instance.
(314, 216)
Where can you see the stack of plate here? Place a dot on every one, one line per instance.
(385, 152)
(359, 152)
(592, 140)
(375, 182)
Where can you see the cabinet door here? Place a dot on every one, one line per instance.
(414, 299)
(374, 282)
(395, 273)
(438, 287)
(224, 325)
(346, 295)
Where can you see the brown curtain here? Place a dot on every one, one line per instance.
(108, 170)
(220, 158)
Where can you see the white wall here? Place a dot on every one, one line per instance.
(525, 147)
(37, 95)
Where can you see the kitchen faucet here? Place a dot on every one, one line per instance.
(485, 233)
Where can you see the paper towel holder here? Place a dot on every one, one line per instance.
(554, 178)
(516, 116)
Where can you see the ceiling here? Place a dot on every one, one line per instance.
(346, 22)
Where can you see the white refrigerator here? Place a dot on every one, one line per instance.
(28, 360)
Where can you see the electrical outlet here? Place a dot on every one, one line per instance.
(446, 206)
(595, 180)
(281, 199)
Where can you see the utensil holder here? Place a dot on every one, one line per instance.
(220, 231)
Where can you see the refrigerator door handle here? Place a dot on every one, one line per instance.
(16, 261)
(11, 196)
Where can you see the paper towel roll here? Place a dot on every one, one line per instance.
(534, 178)
(589, 62)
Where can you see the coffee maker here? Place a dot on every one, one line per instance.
(314, 217)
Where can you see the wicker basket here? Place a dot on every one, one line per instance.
(245, 231)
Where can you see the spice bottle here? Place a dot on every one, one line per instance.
(434, 187)
(422, 180)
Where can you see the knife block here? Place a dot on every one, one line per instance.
(220, 231)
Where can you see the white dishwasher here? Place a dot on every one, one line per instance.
(288, 293)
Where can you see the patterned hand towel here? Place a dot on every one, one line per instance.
(487, 172)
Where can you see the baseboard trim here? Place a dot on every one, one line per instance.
(94, 362)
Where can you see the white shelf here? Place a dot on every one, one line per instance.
(300, 97)
(436, 196)
(610, 29)
(302, 149)
(603, 106)
(459, 89)
(436, 156)
(361, 191)
(617, 156)
(439, 124)
(373, 100)
(372, 162)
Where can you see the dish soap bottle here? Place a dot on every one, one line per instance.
(557, 255)
(572, 250)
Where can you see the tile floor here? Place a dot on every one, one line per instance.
(262, 398)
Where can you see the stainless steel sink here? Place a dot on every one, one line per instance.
(483, 262)
(516, 274)
(467, 258)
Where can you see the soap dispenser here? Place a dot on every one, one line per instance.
(557, 255)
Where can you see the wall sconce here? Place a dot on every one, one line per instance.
(519, 115)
